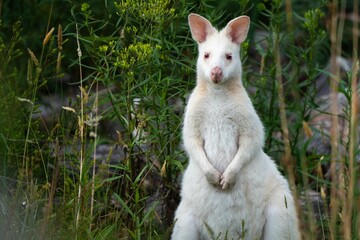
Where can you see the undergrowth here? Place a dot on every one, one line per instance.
(120, 73)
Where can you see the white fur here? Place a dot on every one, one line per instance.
(231, 188)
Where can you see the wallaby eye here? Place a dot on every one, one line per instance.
(206, 55)
(228, 56)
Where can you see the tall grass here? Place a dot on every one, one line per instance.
(132, 65)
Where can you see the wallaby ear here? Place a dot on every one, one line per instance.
(237, 29)
(200, 27)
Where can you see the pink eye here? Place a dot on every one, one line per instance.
(228, 56)
(206, 55)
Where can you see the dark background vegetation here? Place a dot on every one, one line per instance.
(91, 111)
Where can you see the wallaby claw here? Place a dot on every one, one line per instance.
(213, 177)
(227, 180)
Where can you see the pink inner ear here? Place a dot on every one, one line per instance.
(200, 27)
(237, 29)
(199, 35)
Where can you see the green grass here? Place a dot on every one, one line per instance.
(131, 66)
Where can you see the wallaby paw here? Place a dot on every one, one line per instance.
(227, 180)
(213, 177)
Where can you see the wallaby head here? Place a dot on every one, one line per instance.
(219, 58)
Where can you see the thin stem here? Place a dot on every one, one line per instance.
(352, 143)
(343, 171)
(348, 216)
(355, 30)
(334, 131)
(81, 130)
(47, 28)
(354, 102)
(94, 155)
(287, 159)
(290, 33)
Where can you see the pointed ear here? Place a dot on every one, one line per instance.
(237, 29)
(200, 27)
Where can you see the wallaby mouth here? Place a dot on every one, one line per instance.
(216, 80)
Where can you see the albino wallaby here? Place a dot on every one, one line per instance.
(231, 189)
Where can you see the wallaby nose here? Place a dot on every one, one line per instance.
(216, 74)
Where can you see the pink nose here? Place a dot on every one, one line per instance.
(216, 74)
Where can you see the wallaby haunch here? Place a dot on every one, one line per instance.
(231, 189)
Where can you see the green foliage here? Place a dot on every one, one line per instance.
(132, 65)
(312, 19)
(11, 116)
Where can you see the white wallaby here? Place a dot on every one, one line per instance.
(231, 189)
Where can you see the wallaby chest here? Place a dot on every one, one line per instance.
(220, 129)
(220, 114)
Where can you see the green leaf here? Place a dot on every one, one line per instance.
(124, 205)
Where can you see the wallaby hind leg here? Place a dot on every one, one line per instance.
(186, 225)
(281, 221)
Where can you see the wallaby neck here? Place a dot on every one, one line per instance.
(231, 86)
